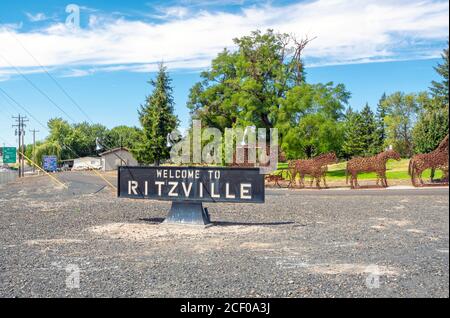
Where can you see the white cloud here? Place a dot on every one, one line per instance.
(348, 31)
(178, 12)
(4, 77)
(77, 73)
(36, 17)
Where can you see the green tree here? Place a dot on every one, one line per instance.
(59, 131)
(379, 138)
(263, 84)
(432, 125)
(48, 148)
(354, 141)
(123, 136)
(309, 119)
(314, 134)
(368, 130)
(72, 141)
(430, 129)
(245, 87)
(157, 120)
(402, 111)
(29, 152)
(82, 140)
(439, 89)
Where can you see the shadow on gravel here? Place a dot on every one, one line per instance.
(152, 220)
(224, 223)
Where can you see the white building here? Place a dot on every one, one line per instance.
(114, 158)
(87, 163)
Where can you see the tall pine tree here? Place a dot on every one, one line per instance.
(157, 120)
(380, 132)
(432, 125)
(439, 90)
(354, 141)
(368, 129)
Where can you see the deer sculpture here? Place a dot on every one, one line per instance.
(375, 164)
(437, 159)
(316, 168)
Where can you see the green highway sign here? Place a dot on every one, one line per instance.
(9, 154)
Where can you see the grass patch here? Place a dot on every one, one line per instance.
(395, 170)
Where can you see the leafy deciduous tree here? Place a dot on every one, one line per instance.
(401, 114)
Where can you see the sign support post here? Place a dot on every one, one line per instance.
(186, 212)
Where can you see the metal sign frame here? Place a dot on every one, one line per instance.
(189, 186)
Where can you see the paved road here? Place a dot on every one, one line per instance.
(328, 243)
(90, 181)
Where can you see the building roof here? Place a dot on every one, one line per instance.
(88, 157)
(114, 150)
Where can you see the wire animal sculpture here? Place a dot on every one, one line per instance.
(437, 159)
(375, 164)
(316, 168)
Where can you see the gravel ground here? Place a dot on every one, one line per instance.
(328, 243)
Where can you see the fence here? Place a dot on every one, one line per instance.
(8, 176)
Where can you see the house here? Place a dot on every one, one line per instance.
(86, 163)
(114, 158)
(66, 165)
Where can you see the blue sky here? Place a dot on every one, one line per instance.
(105, 62)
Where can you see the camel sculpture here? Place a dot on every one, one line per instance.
(437, 159)
(375, 164)
(316, 168)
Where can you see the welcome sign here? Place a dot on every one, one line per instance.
(197, 184)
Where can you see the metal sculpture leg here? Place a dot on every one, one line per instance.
(188, 213)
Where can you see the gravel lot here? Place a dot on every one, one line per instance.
(328, 243)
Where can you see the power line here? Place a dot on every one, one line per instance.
(38, 121)
(50, 76)
(34, 131)
(37, 88)
(31, 115)
(23, 108)
(20, 131)
(5, 111)
(5, 141)
(10, 104)
(46, 95)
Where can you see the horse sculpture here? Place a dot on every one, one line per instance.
(316, 168)
(375, 164)
(437, 159)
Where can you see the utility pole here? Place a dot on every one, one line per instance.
(20, 132)
(34, 131)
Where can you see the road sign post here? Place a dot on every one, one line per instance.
(189, 187)
(50, 163)
(9, 155)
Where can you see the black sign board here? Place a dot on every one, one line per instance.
(195, 184)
